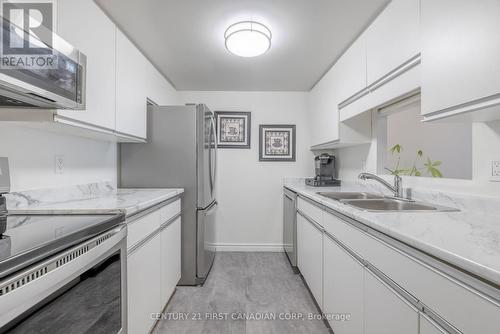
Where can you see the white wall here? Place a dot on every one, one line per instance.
(450, 143)
(249, 191)
(31, 154)
(485, 148)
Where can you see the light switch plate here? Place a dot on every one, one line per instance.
(495, 171)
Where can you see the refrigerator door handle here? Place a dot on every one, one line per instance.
(210, 210)
(210, 181)
(214, 128)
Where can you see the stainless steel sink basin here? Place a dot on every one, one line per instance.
(395, 205)
(339, 196)
(376, 203)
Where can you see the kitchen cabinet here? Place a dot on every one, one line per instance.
(143, 282)
(343, 288)
(384, 281)
(310, 256)
(328, 131)
(460, 52)
(131, 88)
(385, 311)
(323, 109)
(170, 262)
(153, 263)
(73, 18)
(351, 69)
(392, 60)
(392, 39)
(427, 326)
(159, 90)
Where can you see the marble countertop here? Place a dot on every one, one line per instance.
(88, 199)
(469, 239)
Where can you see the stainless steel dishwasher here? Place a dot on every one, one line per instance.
(290, 226)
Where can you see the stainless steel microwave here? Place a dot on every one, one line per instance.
(51, 79)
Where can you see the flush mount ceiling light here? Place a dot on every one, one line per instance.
(247, 39)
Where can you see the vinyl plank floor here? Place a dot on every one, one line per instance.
(245, 293)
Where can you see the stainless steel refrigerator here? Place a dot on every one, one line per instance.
(181, 152)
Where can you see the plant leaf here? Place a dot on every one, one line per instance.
(396, 148)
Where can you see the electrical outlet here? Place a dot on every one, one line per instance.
(495, 171)
(59, 164)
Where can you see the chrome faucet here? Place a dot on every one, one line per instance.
(397, 189)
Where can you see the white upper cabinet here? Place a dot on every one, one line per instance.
(131, 88)
(351, 69)
(97, 41)
(392, 39)
(460, 56)
(159, 90)
(323, 108)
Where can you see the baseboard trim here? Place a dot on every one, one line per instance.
(236, 247)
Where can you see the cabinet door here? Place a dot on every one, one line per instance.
(393, 38)
(170, 259)
(460, 52)
(131, 88)
(159, 90)
(300, 242)
(385, 311)
(323, 106)
(312, 258)
(343, 288)
(427, 326)
(143, 286)
(351, 69)
(73, 25)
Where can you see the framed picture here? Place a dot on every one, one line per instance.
(277, 142)
(233, 129)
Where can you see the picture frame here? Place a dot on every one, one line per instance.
(234, 129)
(277, 142)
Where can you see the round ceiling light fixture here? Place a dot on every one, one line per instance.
(248, 39)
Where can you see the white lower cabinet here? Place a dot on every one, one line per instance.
(385, 311)
(153, 265)
(311, 257)
(353, 274)
(143, 283)
(427, 326)
(343, 289)
(170, 259)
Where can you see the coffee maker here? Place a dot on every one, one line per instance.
(324, 165)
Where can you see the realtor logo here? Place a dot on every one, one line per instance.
(27, 35)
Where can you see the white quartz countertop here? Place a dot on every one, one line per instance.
(469, 239)
(88, 199)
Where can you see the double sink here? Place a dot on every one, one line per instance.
(376, 203)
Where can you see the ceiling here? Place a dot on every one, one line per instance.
(185, 39)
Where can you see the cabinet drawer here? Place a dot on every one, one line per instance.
(443, 294)
(170, 210)
(142, 227)
(310, 210)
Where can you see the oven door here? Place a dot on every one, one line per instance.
(82, 290)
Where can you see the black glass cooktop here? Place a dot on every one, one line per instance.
(28, 239)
